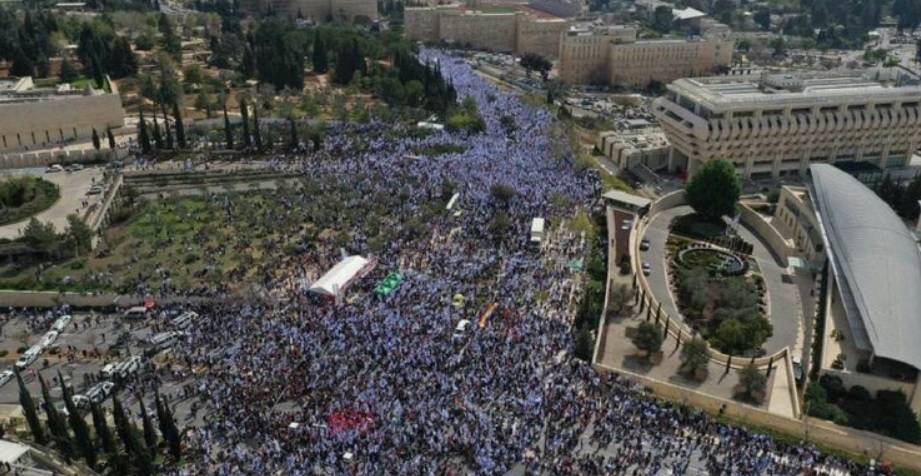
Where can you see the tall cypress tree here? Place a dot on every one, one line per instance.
(256, 134)
(111, 138)
(83, 440)
(137, 451)
(293, 141)
(158, 138)
(56, 425)
(150, 434)
(96, 144)
(320, 57)
(31, 414)
(143, 135)
(106, 441)
(167, 128)
(168, 428)
(180, 129)
(228, 132)
(244, 112)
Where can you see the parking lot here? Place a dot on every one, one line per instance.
(81, 351)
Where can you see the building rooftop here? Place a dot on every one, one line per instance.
(723, 92)
(876, 263)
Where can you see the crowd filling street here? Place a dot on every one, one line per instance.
(286, 382)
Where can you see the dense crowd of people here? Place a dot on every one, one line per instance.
(386, 385)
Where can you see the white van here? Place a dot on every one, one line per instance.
(136, 312)
(184, 320)
(165, 340)
(537, 231)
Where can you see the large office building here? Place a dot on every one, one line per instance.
(512, 28)
(317, 10)
(775, 125)
(39, 118)
(600, 54)
(871, 265)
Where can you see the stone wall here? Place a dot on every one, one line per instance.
(540, 36)
(46, 123)
(64, 157)
(780, 246)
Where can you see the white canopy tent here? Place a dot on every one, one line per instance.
(339, 277)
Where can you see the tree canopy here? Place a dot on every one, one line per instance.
(714, 189)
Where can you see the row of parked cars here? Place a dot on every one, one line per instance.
(32, 354)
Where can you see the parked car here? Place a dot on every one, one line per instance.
(54, 168)
(99, 392)
(49, 339)
(628, 223)
(94, 190)
(29, 357)
(62, 322)
(647, 269)
(75, 167)
(165, 340)
(644, 244)
(5, 377)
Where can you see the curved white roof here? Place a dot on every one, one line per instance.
(876, 262)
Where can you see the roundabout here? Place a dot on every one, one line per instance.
(715, 260)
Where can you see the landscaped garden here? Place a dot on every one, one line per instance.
(22, 197)
(887, 413)
(720, 295)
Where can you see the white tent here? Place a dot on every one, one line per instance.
(338, 278)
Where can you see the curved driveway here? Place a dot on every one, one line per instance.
(785, 312)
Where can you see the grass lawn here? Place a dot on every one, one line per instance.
(235, 239)
(84, 82)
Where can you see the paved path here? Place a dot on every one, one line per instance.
(73, 190)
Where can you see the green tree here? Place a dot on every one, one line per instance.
(293, 140)
(56, 424)
(662, 19)
(106, 440)
(228, 132)
(158, 138)
(111, 138)
(150, 434)
(695, 355)
(752, 383)
(143, 134)
(714, 189)
(96, 144)
(69, 73)
(135, 448)
(244, 113)
(320, 57)
(30, 412)
(82, 437)
(584, 343)
(41, 236)
(257, 134)
(171, 41)
(79, 234)
(649, 337)
(535, 62)
(180, 129)
(168, 428)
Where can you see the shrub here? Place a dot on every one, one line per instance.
(22, 349)
(190, 258)
(78, 264)
(4, 353)
(649, 337)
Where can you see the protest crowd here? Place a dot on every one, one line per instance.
(382, 385)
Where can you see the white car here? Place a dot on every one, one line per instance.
(53, 169)
(81, 401)
(99, 392)
(27, 358)
(5, 377)
(62, 322)
(49, 339)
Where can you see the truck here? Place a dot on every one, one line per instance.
(537, 231)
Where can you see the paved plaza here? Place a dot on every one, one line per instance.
(73, 187)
